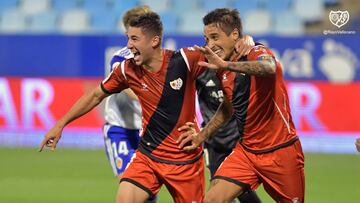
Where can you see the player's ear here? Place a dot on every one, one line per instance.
(235, 34)
(155, 42)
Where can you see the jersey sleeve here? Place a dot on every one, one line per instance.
(115, 82)
(192, 57)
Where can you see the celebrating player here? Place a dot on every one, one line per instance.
(221, 144)
(270, 152)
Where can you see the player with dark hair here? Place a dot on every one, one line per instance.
(221, 144)
(269, 151)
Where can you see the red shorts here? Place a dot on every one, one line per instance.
(281, 171)
(186, 183)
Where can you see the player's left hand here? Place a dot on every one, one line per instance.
(357, 143)
(189, 139)
(214, 61)
(244, 45)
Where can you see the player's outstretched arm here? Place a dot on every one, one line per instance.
(190, 139)
(82, 106)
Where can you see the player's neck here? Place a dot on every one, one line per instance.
(155, 62)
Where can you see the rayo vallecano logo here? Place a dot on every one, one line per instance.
(339, 18)
(176, 84)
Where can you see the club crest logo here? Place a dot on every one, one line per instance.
(176, 84)
(339, 18)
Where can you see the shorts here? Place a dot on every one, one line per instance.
(214, 157)
(281, 171)
(186, 183)
(120, 146)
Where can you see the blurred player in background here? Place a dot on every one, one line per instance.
(219, 146)
(122, 112)
(270, 151)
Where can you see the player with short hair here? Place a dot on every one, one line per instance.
(269, 152)
(221, 144)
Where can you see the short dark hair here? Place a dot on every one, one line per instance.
(149, 23)
(225, 18)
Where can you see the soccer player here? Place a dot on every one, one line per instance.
(270, 151)
(221, 144)
(164, 82)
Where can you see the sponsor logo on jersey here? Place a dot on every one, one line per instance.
(210, 83)
(176, 84)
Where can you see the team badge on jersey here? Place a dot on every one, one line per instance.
(176, 84)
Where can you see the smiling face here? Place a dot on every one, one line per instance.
(222, 44)
(141, 44)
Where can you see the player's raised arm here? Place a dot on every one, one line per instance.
(189, 135)
(86, 103)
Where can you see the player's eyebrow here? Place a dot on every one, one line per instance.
(213, 34)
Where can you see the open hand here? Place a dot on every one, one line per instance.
(189, 139)
(214, 61)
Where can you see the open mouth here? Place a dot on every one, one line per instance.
(136, 54)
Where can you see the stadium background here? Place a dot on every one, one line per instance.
(52, 51)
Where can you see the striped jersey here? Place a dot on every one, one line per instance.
(261, 106)
(167, 99)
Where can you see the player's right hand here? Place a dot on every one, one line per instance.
(51, 138)
(214, 61)
(189, 139)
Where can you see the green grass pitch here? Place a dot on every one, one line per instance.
(68, 175)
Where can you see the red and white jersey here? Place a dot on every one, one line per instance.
(260, 105)
(167, 99)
